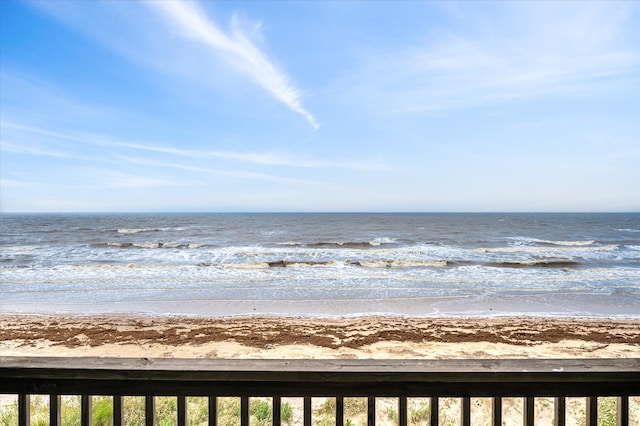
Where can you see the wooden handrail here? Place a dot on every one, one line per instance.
(481, 377)
(495, 378)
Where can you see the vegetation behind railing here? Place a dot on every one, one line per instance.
(435, 380)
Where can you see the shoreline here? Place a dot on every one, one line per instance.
(268, 336)
(556, 305)
(322, 317)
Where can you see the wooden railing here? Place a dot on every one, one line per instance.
(402, 379)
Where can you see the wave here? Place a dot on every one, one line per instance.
(534, 264)
(275, 264)
(312, 263)
(376, 242)
(568, 243)
(399, 263)
(554, 242)
(23, 248)
(136, 230)
(628, 230)
(154, 245)
(520, 249)
(123, 266)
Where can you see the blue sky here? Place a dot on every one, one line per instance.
(319, 106)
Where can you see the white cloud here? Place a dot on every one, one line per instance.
(539, 50)
(240, 174)
(22, 149)
(109, 178)
(237, 48)
(265, 158)
(128, 28)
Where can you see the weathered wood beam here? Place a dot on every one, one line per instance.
(496, 411)
(435, 411)
(371, 411)
(24, 410)
(529, 411)
(403, 411)
(150, 410)
(622, 411)
(465, 411)
(339, 411)
(213, 411)
(560, 406)
(392, 378)
(307, 411)
(592, 411)
(55, 410)
(118, 410)
(86, 410)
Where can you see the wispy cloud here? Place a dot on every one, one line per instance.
(266, 159)
(22, 149)
(241, 174)
(116, 179)
(108, 142)
(201, 53)
(545, 50)
(237, 47)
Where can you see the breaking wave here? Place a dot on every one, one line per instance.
(23, 248)
(310, 263)
(400, 263)
(153, 245)
(347, 244)
(520, 249)
(554, 242)
(535, 264)
(376, 242)
(136, 230)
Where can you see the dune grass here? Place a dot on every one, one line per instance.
(355, 411)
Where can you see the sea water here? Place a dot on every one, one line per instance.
(578, 265)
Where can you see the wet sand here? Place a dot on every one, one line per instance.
(289, 337)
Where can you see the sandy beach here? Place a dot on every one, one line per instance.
(361, 337)
(288, 337)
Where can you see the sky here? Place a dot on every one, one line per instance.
(300, 106)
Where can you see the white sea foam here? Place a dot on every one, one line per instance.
(23, 248)
(120, 267)
(519, 249)
(399, 263)
(148, 245)
(110, 244)
(134, 230)
(569, 243)
(528, 240)
(385, 240)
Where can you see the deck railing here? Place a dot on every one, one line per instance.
(402, 379)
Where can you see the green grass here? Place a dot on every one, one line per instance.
(420, 414)
(353, 408)
(261, 411)
(134, 411)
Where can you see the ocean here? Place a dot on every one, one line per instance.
(333, 264)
